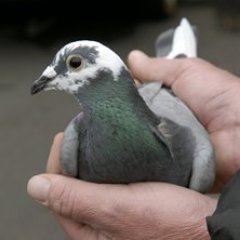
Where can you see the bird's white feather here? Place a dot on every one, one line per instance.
(106, 59)
(184, 41)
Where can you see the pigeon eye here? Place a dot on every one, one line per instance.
(74, 62)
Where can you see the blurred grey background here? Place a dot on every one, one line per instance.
(30, 34)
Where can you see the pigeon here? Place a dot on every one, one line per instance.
(124, 134)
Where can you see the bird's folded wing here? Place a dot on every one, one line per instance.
(191, 134)
(69, 148)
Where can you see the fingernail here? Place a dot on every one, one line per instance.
(136, 54)
(38, 188)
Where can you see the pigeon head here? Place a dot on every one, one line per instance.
(76, 65)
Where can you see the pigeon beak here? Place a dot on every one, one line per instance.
(40, 84)
(47, 76)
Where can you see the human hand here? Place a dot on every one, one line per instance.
(135, 211)
(210, 92)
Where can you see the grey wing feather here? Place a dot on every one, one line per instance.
(164, 43)
(70, 146)
(167, 106)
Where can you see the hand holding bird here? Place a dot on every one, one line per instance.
(124, 135)
(146, 210)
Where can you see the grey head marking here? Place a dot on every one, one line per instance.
(93, 57)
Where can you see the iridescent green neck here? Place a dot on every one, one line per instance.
(106, 97)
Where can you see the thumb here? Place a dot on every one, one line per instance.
(78, 200)
(146, 69)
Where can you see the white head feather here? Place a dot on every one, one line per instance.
(105, 59)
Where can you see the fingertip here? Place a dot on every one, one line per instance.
(58, 138)
(38, 188)
(136, 55)
(138, 84)
(53, 164)
(136, 58)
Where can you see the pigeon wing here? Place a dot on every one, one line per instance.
(70, 146)
(176, 118)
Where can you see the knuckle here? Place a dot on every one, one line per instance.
(188, 67)
(195, 63)
(62, 199)
(67, 201)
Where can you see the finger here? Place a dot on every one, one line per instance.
(146, 69)
(69, 226)
(137, 83)
(75, 230)
(78, 200)
(53, 164)
(110, 207)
